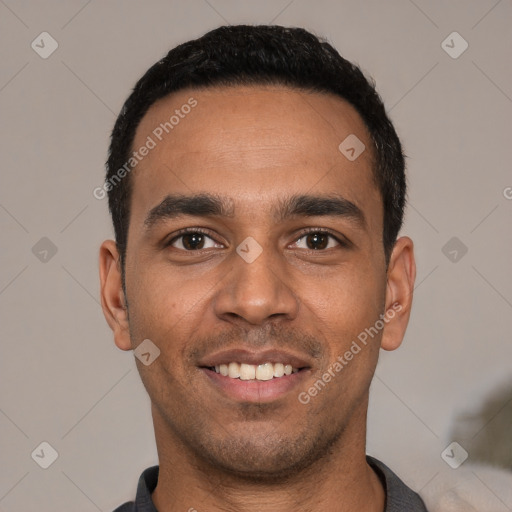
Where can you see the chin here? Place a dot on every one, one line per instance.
(270, 458)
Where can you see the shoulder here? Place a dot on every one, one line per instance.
(126, 507)
(398, 495)
(146, 485)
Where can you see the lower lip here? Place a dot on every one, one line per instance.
(255, 390)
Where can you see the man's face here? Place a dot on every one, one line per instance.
(206, 300)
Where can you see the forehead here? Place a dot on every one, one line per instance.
(253, 143)
(252, 114)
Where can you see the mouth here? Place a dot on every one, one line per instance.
(260, 372)
(248, 377)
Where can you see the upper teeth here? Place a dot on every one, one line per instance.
(264, 371)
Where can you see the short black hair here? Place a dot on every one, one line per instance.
(259, 55)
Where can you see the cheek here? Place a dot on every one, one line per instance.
(345, 303)
(162, 294)
(344, 312)
(167, 306)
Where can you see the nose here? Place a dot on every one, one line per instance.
(256, 290)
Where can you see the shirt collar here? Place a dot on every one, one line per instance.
(399, 497)
(147, 484)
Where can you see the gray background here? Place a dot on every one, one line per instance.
(63, 381)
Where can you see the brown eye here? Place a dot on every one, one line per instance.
(193, 241)
(317, 240)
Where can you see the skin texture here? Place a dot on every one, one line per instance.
(256, 146)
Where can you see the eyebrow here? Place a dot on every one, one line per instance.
(210, 205)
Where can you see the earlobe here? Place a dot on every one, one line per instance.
(399, 292)
(113, 301)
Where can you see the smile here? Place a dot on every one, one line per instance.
(255, 383)
(265, 371)
(247, 376)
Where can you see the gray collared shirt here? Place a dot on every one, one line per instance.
(399, 497)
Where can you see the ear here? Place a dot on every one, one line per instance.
(113, 300)
(401, 275)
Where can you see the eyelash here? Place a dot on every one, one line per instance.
(320, 231)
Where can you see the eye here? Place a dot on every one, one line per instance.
(318, 240)
(193, 240)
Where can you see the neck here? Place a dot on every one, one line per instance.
(340, 481)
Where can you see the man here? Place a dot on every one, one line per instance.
(257, 190)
